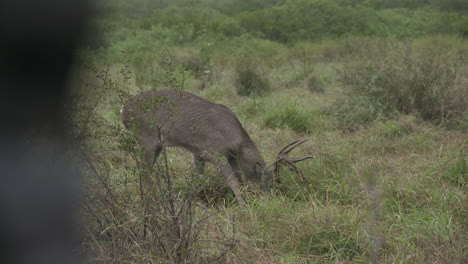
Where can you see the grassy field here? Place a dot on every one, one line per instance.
(387, 124)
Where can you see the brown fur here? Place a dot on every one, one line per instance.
(210, 131)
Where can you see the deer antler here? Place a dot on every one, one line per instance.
(282, 157)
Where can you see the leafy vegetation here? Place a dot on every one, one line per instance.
(378, 87)
(422, 82)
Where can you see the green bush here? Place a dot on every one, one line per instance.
(229, 27)
(422, 82)
(315, 84)
(288, 115)
(190, 59)
(462, 27)
(352, 112)
(249, 82)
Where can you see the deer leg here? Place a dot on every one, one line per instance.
(199, 164)
(151, 148)
(235, 166)
(229, 174)
(233, 182)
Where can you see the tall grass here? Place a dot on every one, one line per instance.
(392, 191)
(426, 82)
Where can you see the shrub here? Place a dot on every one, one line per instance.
(315, 84)
(129, 211)
(462, 27)
(190, 59)
(249, 82)
(288, 115)
(411, 82)
(352, 112)
(228, 27)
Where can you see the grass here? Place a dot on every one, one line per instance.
(383, 187)
(402, 79)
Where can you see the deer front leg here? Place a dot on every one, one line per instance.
(229, 174)
(199, 164)
(151, 148)
(235, 166)
(233, 182)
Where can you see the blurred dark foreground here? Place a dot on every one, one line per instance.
(39, 188)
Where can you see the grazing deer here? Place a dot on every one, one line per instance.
(210, 131)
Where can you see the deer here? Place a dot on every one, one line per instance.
(210, 131)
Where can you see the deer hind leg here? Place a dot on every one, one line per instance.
(229, 174)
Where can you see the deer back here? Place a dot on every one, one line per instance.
(186, 120)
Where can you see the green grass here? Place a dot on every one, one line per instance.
(287, 116)
(384, 185)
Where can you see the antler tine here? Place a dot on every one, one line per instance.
(282, 157)
(292, 146)
(287, 146)
(300, 159)
(273, 165)
(294, 166)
